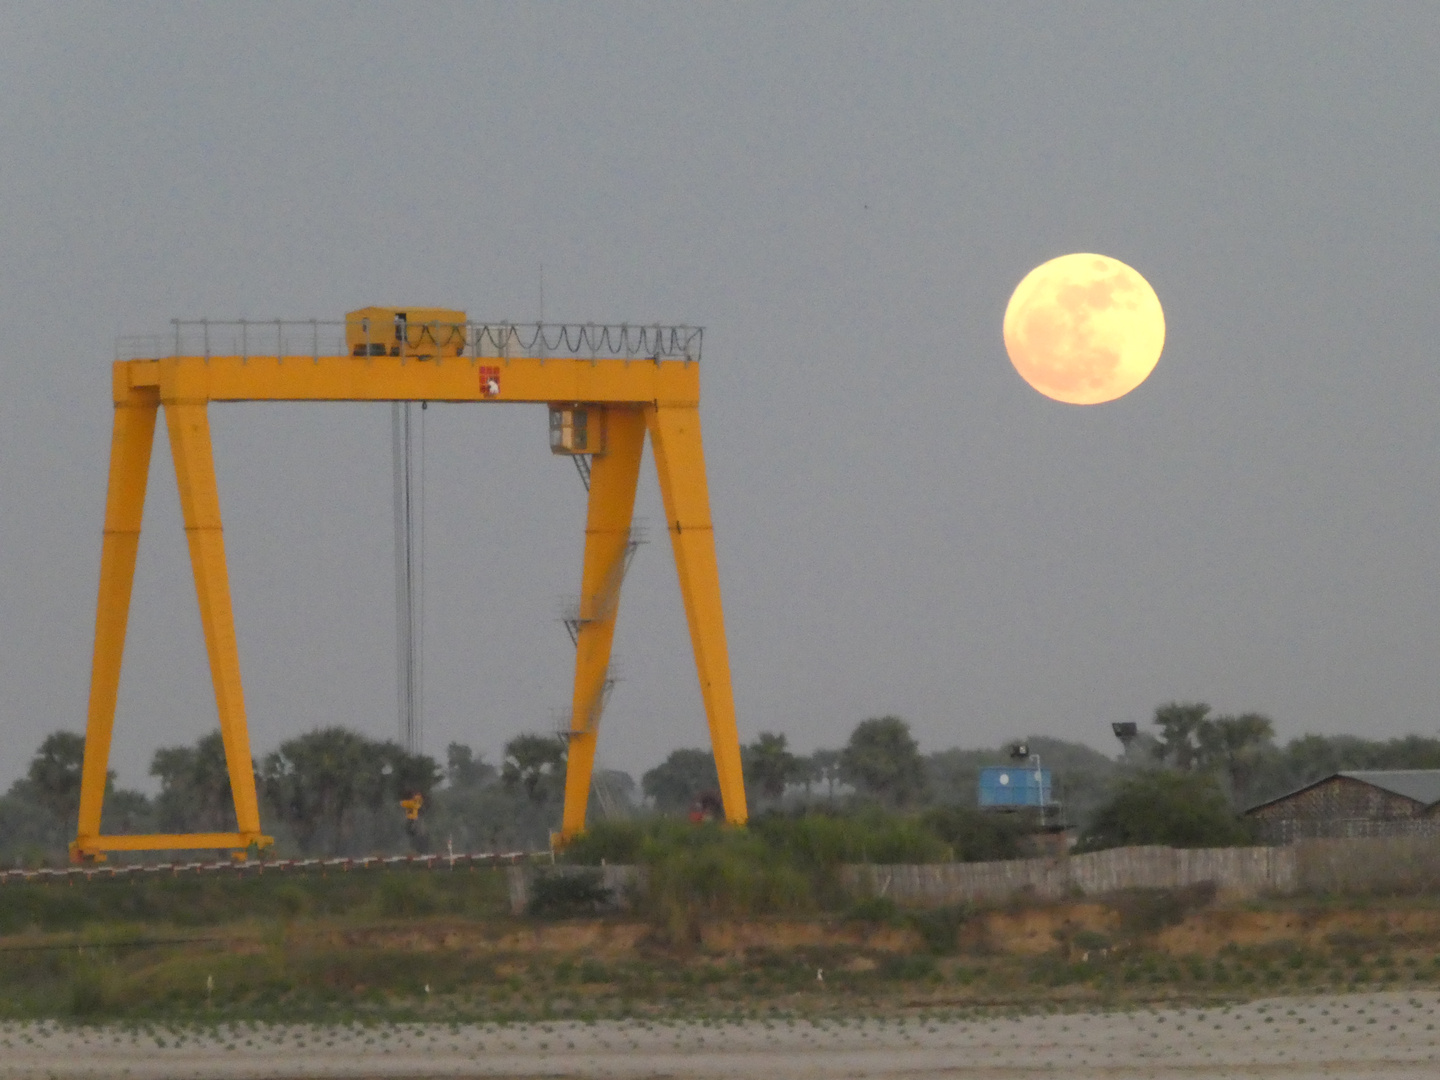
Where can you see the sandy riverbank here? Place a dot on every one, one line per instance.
(1369, 1035)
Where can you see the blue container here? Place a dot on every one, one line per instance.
(1017, 785)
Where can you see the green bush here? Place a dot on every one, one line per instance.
(1177, 809)
(619, 842)
(908, 968)
(808, 842)
(192, 901)
(725, 872)
(1090, 941)
(939, 928)
(874, 909)
(1147, 911)
(87, 992)
(976, 836)
(786, 863)
(403, 893)
(556, 895)
(823, 841)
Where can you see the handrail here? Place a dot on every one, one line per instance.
(317, 337)
(260, 866)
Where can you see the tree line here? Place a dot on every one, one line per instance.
(327, 792)
(335, 791)
(1241, 753)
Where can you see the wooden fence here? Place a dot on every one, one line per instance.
(1233, 871)
(1350, 866)
(1392, 865)
(1365, 865)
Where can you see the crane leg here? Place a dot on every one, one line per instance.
(189, 427)
(680, 462)
(613, 479)
(130, 442)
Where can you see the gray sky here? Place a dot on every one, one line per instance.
(844, 196)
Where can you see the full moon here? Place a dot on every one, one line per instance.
(1084, 329)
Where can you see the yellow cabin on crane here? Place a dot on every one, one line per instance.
(606, 388)
(423, 333)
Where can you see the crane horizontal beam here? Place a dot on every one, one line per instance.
(172, 842)
(399, 378)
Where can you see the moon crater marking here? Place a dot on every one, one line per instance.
(1084, 329)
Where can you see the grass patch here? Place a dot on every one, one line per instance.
(194, 901)
(560, 895)
(405, 944)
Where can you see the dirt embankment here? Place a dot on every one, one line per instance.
(1204, 931)
(1162, 923)
(1207, 932)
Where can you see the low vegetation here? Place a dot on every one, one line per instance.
(716, 921)
(377, 946)
(1176, 809)
(336, 792)
(784, 864)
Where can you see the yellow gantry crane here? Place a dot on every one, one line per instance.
(606, 388)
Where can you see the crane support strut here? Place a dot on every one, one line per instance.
(630, 397)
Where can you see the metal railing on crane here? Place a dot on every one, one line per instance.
(478, 340)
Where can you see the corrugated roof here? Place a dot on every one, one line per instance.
(1422, 785)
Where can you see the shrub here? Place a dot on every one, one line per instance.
(1163, 807)
(87, 991)
(875, 909)
(610, 842)
(403, 894)
(1147, 911)
(975, 836)
(908, 968)
(939, 928)
(725, 872)
(571, 893)
(1090, 941)
(783, 862)
(824, 841)
(778, 864)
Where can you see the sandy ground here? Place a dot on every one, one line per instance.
(1360, 1035)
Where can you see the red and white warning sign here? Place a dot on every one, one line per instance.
(489, 382)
